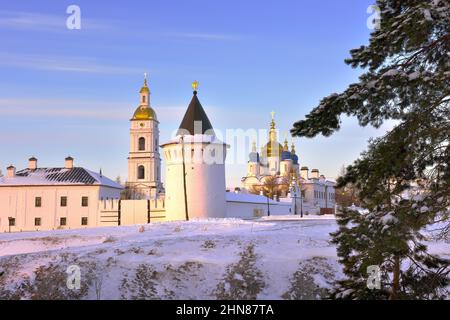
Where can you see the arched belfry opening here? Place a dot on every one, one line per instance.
(141, 143)
(141, 172)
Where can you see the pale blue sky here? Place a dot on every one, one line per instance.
(73, 91)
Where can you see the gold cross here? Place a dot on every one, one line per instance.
(145, 78)
(195, 85)
(273, 114)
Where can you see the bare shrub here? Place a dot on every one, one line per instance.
(243, 280)
(142, 286)
(303, 286)
(209, 244)
(50, 283)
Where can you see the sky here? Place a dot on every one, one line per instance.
(72, 91)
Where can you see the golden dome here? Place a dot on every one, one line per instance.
(144, 112)
(270, 149)
(144, 89)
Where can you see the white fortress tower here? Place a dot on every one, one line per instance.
(195, 168)
(144, 162)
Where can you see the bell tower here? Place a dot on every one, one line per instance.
(144, 162)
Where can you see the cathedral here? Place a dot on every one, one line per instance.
(273, 160)
(275, 172)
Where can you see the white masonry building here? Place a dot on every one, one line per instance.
(53, 198)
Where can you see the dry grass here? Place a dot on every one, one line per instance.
(209, 244)
(303, 286)
(142, 286)
(243, 280)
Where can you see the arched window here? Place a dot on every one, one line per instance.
(141, 172)
(141, 144)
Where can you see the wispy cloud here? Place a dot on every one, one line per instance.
(28, 21)
(81, 109)
(40, 22)
(62, 64)
(203, 36)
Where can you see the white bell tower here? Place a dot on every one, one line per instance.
(144, 162)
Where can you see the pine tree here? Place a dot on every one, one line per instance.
(403, 179)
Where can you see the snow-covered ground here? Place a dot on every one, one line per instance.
(273, 258)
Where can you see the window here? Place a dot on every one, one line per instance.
(141, 172)
(62, 221)
(37, 221)
(141, 144)
(63, 202)
(84, 221)
(38, 202)
(84, 201)
(143, 99)
(12, 222)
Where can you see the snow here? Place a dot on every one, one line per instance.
(197, 138)
(359, 209)
(427, 15)
(414, 75)
(355, 96)
(214, 245)
(391, 73)
(190, 258)
(298, 217)
(45, 176)
(388, 219)
(371, 84)
(247, 197)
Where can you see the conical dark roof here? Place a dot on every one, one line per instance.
(195, 118)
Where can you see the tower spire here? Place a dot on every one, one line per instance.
(195, 120)
(254, 146)
(286, 146)
(145, 92)
(272, 132)
(272, 123)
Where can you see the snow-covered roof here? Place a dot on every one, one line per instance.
(248, 197)
(58, 176)
(320, 181)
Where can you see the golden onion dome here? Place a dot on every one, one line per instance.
(272, 149)
(145, 89)
(144, 112)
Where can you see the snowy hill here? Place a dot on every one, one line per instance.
(208, 259)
